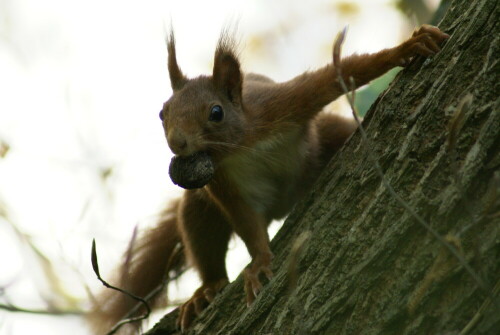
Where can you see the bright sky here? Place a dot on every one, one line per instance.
(81, 86)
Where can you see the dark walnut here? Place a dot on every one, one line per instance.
(193, 171)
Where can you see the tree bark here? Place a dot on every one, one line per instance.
(367, 266)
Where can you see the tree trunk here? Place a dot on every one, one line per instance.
(368, 266)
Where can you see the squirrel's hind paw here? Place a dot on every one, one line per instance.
(201, 298)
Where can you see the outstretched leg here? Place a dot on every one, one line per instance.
(303, 97)
(425, 42)
(205, 233)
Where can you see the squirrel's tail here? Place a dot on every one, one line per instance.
(154, 258)
(333, 130)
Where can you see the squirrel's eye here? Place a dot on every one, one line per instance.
(161, 115)
(216, 114)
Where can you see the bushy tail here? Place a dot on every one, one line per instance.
(333, 131)
(155, 257)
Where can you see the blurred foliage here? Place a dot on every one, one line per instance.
(346, 8)
(366, 96)
(55, 295)
(440, 11)
(4, 149)
(417, 10)
(414, 10)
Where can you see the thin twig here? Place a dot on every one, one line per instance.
(50, 310)
(141, 301)
(454, 128)
(480, 313)
(44, 262)
(177, 251)
(337, 65)
(16, 309)
(293, 259)
(95, 266)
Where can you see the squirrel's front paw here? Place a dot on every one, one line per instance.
(260, 264)
(425, 41)
(201, 298)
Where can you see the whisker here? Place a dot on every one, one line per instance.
(227, 146)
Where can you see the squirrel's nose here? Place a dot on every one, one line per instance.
(177, 142)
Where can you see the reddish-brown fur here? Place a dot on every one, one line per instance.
(268, 149)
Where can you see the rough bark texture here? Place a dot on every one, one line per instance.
(368, 267)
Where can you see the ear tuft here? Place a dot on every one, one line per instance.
(177, 78)
(227, 75)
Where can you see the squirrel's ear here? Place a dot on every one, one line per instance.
(226, 73)
(177, 78)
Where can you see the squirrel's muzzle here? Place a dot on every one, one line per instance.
(177, 142)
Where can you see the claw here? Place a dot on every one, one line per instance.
(253, 286)
(209, 294)
(199, 305)
(268, 273)
(201, 298)
(433, 46)
(424, 50)
(186, 316)
(424, 41)
(256, 291)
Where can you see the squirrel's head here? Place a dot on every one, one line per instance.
(205, 113)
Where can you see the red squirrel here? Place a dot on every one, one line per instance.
(269, 142)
